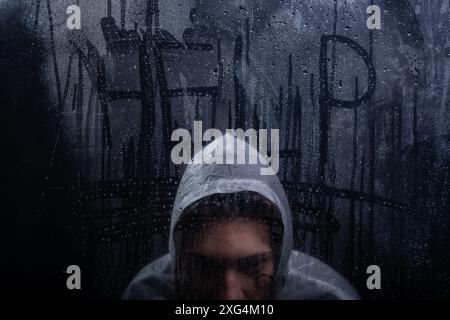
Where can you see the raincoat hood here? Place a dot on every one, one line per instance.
(204, 180)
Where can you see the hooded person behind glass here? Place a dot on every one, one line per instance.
(231, 238)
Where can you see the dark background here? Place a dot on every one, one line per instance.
(97, 193)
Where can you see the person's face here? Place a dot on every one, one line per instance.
(231, 260)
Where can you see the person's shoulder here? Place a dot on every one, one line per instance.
(153, 282)
(308, 278)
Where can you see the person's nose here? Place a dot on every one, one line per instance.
(233, 286)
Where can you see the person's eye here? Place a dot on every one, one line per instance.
(205, 267)
(252, 271)
(250, 266)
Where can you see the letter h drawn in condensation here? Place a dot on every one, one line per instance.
(162, 44)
